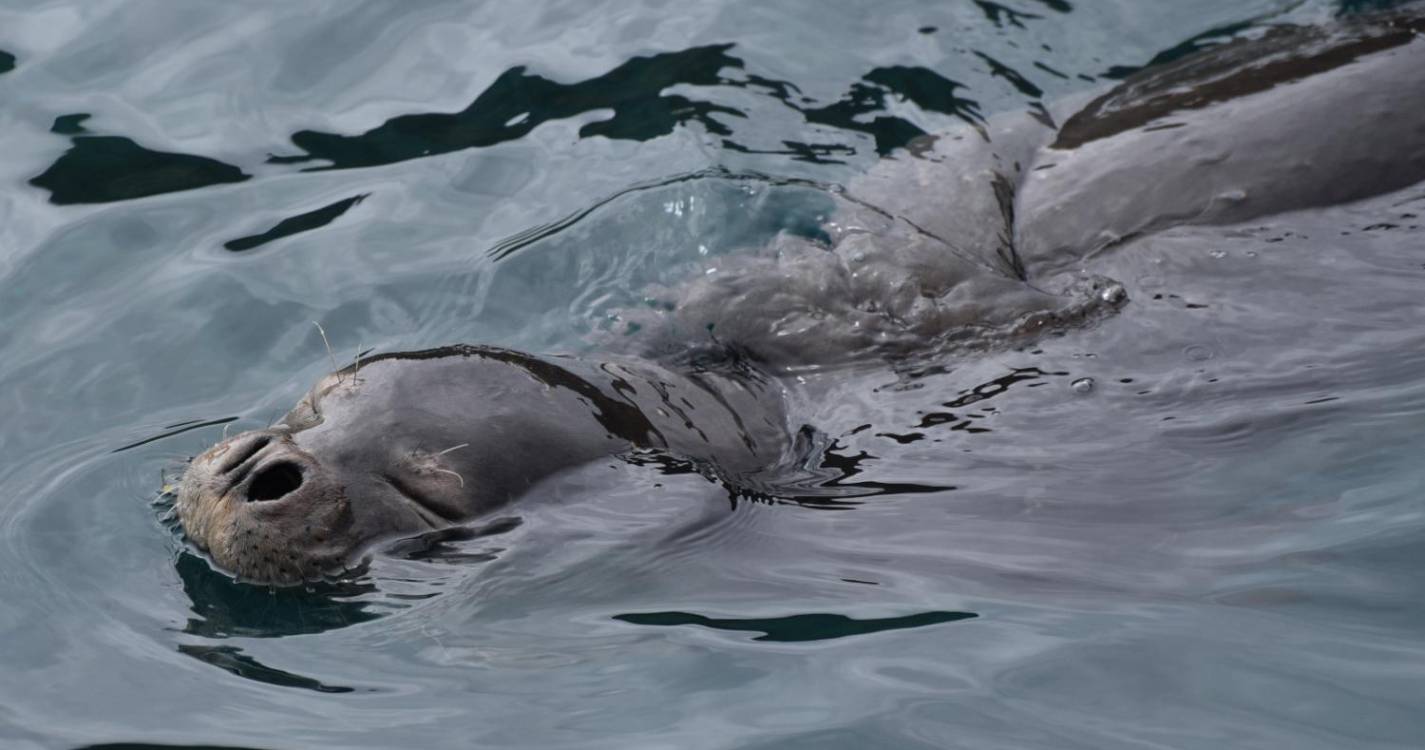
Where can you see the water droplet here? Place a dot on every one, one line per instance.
(1218, 253)
(1082, 386)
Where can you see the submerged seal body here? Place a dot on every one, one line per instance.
(419, 441)
(988, 230)
(969, 235)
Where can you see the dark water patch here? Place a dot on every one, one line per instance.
(797, 628)
(844, 467)
(70, 124)
(1030, 377)
(1015, 78)
(519, 101)
(152, 746)
(1000, 15)
(1056, 73)
(1210, 38)
(992, 388)
(439, 545)
(819, 476)
(231, 659)
(227, 608)
(175, 429)
(104, 169)
(296, 224)
(811, 153)
(925, 88)
(906, 439)
(928, 90)
(909, 379)
(1350, 7)
(7, 61)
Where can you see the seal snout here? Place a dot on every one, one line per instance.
(266, 510)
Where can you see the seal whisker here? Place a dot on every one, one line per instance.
(328, 344)
(452, 448)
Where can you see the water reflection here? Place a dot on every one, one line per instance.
(70, 124)
(296, 224)
(231, 659)
(226, 608)
(925, 88)
(797, 628)
(152, 746)
(1001, 15)
(103, 169)
(519, 101)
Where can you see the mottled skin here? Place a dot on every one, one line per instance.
(420, 441)
(987, 231)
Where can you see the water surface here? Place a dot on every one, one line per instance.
(1216, 543)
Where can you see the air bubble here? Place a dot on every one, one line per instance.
(1198, 353)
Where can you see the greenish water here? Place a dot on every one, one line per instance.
(1218, 545)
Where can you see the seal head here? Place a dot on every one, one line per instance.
(419, 441)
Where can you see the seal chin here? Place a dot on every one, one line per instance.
(267, 511)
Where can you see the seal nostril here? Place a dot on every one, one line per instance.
(275, 482)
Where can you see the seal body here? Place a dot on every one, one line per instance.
(420, 441)
(972, 236)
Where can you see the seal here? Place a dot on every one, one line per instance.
(990, 231)
(975, 235)
(420, 441)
